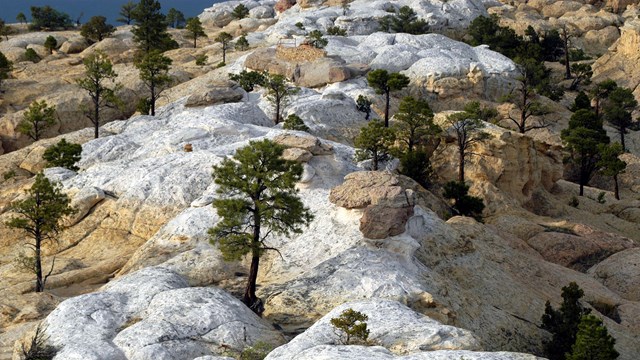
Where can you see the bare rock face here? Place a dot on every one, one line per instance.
(221, 93)
(309, 143)
(621, 273)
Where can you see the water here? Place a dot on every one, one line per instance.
(107, 8)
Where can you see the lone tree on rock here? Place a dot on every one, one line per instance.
(150, 29)
(242, 43)
(467, 130)
(414, 123)
(63, 154)
(374, 143)
(96, 29)
(278, 93)
(21, 18)
(126, 13)
(154, 73)
(240, 12)
(258, 198)
(316, 39)
(40, 216)
(611, 164)
(98, 74)
(50, 44)
(195, 30)
(37, 119)
(617, 111)
(593, 341)
(224, 38)
(384, 83)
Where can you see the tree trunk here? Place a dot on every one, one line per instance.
(38, 264)
(461, 167)
(277, 120)
(96, 114)
(250, 299)
(622, 130)
(195, 38)
(224, 54)
(386, 110)
(616, 189)
(374, 158)
(152, 100)
(567, 66)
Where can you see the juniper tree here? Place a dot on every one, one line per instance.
(467, 128)
(384, 83)
(96, 29)
(242, 43)
(63, 154)
(240, 12)
(126, 13)
(610, 163)
(99, 82)
(154, 73)
(593, 341)
(36, 119)
(279, 93)
(40, 215)
(195, 30)
(617, 111)
(258, 198)
(374, 143)
(224, 38)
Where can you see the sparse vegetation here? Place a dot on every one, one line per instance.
(404, 21)
(316, 39)
(240, 12)
(195, 30)
(224, 38)
(37, 119)
(294, 122)
(336, 31)
(201, 59)
(279, 93)
(242, 43)
(39, 347)
(96, 29)
(154, 73)
(384, 83)
(374, 143)
(31, 55)
(63, 154)
(351, 326)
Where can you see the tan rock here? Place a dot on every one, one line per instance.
(363, 188)
(34, 163)
(222, 93)
(621, 273)
(297, 155)
(380, 222)
(309, 143)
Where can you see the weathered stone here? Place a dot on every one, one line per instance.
(217, 94)
(620, 272)
(380, 222)
(297, 155)
(309, 143)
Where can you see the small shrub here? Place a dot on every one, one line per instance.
(574, 202)
(248, 80)
(258, 351)
(464, 204)
(601, 198)
(31, 55)
(294, 122)
(336, 31)
(316, 39)
(201, 59)
(143, 106)
(220, 64)
(9, 174)
(300, 25)
(39, 349)
(363, 104)
(578, 55)
(417, 165)
(240, 12)
(63, 154)
(351, 325)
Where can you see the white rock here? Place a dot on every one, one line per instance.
(307, 173)
(84, 201)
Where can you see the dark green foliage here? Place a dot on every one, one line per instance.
(582, 101)
(581, 75)
(150, 28)
(593, 341)
(221, 64)
(195, 30)
(175, 18)
(417, 165)
(316, 39)
(563, 323)
(485, 30)
(242, 43)
(336, 31)
(21, 18)
(601, 92)
(39, 349)
(63, 154)
(154, 73)
(143, 106)
(240, 12)
(224, 38)
(6, 67)
(294, 122)
(99, 83)
(414, 124)
(40, 217)
(463, 203)
(257, 197)
(610, 163)
(5, 30)
(96, 29)
(364, 105)
(279, 93)
(525, 99)
(126, 13)
(201, 59)
(617, 111)
(384, 83)
(405, 21)
(582, 138)
(48, 18)
(37, 119)
(467, 129)
(299, 25)
(552, 46)
(352, 325)
(248, 79)
(374, 143)
(50, 43)
(578, 55)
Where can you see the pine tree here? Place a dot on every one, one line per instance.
(224, 38)
(363, 104)
(414, 123)
(150, 29)
(50, 44)
(175, 18)
(154, 73)
(21, 18)
(467, 129)
(240, 12)
(524, 97)
(464, 204)
(405, 21)
(374, 143)
(611, 164)
(352, 324)
(248, 79)
(195, 30)
(278, 93)
(98, 75)
(384, 83)
(316, 39)
(582, 101)
(6, 67)
(601, 91)
(242, 43)
(96, 29)
(593, 341)
(563, 323)
(40, 216)
(126, 13)
(258, 198)
(294, 122)
(63, 154)
(37, 119)
(617, 111)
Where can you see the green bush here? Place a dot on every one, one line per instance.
(63, 154)
(9, 174)
(352, 326)
(258, 351)
(201, 59)
(464, 204)
(31, 55)
(221, 64)
(294, 122)
(336, 31)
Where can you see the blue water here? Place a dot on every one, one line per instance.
(107, 8)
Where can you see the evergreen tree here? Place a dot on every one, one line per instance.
(617, 111)
(467, 128)
(374, 143)
(611, 164)
(352, 324)
(582, 101)
(414, 124)
(601, 91)
(175, 18)
(316, 39)
(21, 18)
(154, 73)
(582, 138)
(5, 30)
(48, 18)
(258, 198)
(524, 98)
(363, 105)
(40, 216)
(63, 154)
(242, 43)
(96, 29)
(150, 29)
(195, 30)
(278, 93)
(6, 67)
(37, 119)
(126, 13)
(464, 204)
(50, 44)
(486, 30)
(248, 79)
(593, 341)
(240, 12)
(294, 122)
(31, 55)
(581, 75)
(405, 21)
(99, 82)
(563, 323)
(224, 38)
(384, 83)
(417, 165)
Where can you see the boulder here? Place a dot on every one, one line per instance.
(83, 202)
(297, 155)
(222, 93)
(262, 12)
(74, 45)
(310, 144)
(620, 272)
